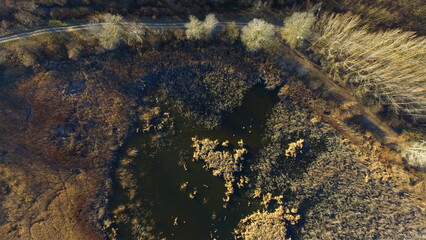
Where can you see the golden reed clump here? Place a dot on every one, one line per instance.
(221, 163)
(389, 64)
(264, 225)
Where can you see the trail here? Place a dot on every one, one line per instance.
(390, 136)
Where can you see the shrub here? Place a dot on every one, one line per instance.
(199, 30)
(27, 52)
(60, 13)
(415, 154)
(74, 50)
(27, 18)
(210, 24)
(258, 34)
(158, 37)
(135, 33)
(52, 2)
(299, 24)
(230, 33)
(110, 31)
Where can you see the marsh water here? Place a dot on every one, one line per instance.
(161, 170)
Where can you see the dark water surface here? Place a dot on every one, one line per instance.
(160, 174)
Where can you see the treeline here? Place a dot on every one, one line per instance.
(155, 7)
(18, 15)
(406, 14)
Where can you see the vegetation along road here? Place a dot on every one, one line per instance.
(17, 36)
(388, 134)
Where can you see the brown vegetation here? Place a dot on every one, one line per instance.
(71, 119)
(332, 175)
(64, 123)
(131, 213)
(264, 225)
(294, 148)
(222, 163)
(389, 65)
(407, 14)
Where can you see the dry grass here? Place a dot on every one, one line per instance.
(408, 14)
(264, 225)
(222, 163)
(388, 64)
(294, 148)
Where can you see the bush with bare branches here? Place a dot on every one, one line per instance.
(135, 33)
(299, 24)
(198, 30)
(389, 64)
(109, 32)
(258, 34)
(230, 33)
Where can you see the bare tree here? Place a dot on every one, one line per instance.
(210, 24)
(135, 33)
(198, 30)
(109, 31)
(258, 34)
(296, 26)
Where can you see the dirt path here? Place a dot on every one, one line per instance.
(388, 134)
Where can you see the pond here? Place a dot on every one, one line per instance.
(162, 170)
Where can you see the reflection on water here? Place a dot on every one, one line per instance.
(162, 171)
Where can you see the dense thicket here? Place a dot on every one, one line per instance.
(133, 5)
(328, 183)
(389, 64)
(406, 14)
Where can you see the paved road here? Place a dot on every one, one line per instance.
(18, 36)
